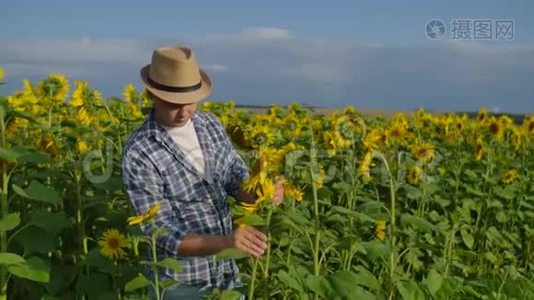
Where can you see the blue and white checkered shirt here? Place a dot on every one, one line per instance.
(155, 169)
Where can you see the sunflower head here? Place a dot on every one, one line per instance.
(55, 86)
(79, 93)
(397, 131)
(331, 141)
(377, 137)
(261, 135)
(414, 175)
(82, 146)
(319, 178)
(482, 115)
(292, 192)
(129, 93)
(380, 230)
(528, 124)
(149, 215)
(364, 168)
(496, 128)
(516, 138)
(509, 176)
(47, 143)
(424, 152)
(82, 117)
(238, 136)
(460, 123)
(260, 167)
(112, 244)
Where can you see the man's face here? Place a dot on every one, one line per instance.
(171, 114)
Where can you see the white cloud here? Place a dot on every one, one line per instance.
(214, 68)
(265, 34)
(273, 62)
(82, 50)
(23, 70)
(247, 35)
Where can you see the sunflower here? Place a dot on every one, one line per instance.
(112, 244)
(516, 138)
(496, 128)
(77, 99)
(528, 124)
(261, 135)
(258, 175)
(26, 99)
(319, 178)
(460, 123)
(345, 127)
(129, 93)
(292, 192)
(422, 118)
(365, 165)
(54, 88)
(82, 146)
(135, 111)
(397, 131)
(424, 152)
(47, 144)
(1, 75)
(482, 115)
(334, 141)
(152, 211)
(82, 117)
(509, 176)
(238, 136)
(414, 175)
(380, 230)
(273, 157)
(265, 191)
(377, 137)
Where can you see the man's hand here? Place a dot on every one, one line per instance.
(278, 192)
(249, 240)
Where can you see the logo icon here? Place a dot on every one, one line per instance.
(435, 29)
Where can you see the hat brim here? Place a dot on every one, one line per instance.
(179, 98)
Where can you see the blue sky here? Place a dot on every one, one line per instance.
(371, 54)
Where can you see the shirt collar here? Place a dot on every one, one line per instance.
(155, 129)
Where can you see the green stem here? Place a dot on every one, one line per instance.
(155, 268)
(269, 236)
(79, 213)
(392, 259)
(317, 232)
(3, 236)
(253, 278)
(4, 211)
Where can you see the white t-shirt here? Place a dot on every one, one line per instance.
(186, 139)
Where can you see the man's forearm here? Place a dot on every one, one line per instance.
(203, 244)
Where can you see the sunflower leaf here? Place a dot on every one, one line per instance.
(138, 282)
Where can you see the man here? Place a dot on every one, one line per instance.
(184, 160)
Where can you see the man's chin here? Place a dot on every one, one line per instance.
(180, 124)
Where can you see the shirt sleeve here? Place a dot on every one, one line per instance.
(238, 169)
(144, 187)
(238, 172)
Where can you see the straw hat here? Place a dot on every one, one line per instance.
(175, 77)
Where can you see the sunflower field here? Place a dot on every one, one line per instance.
(419, 206)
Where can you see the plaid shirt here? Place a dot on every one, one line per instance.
(154, 169)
